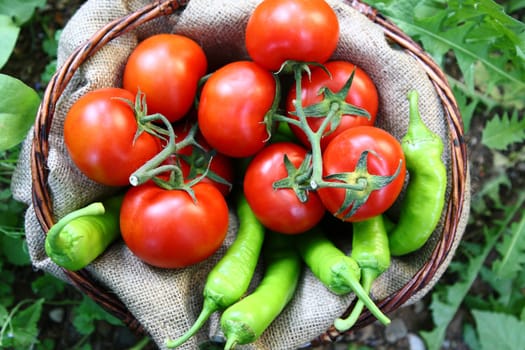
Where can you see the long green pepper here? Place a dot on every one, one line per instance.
(371, 252)
(339, 272)
(246, 320)
(424, 199)
(229, 279)
(82, 235)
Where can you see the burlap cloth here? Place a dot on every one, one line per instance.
(166, 302)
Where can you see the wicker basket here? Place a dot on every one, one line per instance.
(455, 207)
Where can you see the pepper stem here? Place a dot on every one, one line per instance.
(231, 342)
(364, 297)
(367, 278)
(209, 307)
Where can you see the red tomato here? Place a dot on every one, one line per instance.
(362, 93)
(280, 209)
(232, 107)
(167, 229)
(167, 69)
(99, 130)
(300, 30)
(342, 155)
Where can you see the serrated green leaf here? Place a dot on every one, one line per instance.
(47, 286)
(479, 34)
(512, 251)
(490, 189)
(446, 301)
(500, 132)
(8, 37)
(21, 331)
(499, 331)
(444, 305)
(18, 107)
(87, 312)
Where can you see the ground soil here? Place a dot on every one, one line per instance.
(28, 62)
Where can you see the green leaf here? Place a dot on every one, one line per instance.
(479, 34)
(15, 250)
(447, 300)
(6, 291)
(512, 251)
(8, 36)
(499, 331)
(22, 329)
(501, 132)
(490, 189)
(87, 312)
(18, 107)
(20, 10)
(47, 286)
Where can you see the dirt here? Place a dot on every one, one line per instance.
(28, 62)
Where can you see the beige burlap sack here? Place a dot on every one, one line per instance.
(166, 302)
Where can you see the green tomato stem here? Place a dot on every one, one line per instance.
(153, 166)
(313, 137)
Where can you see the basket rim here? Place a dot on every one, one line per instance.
(42, 200)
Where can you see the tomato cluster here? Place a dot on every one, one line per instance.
(297, 144)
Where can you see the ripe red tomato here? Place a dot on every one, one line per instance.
(362, 93)
(167, 229)
(342, 155)
(280, 209)
(300, 30)
(232, 107)
(99, 130)
(167, 69)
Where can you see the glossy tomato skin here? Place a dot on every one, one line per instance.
(232, 107)
(279, 210)
(363, 93)
(342, 154)
(167, 69)
(300, 30)
(167, 229)
(99, 132)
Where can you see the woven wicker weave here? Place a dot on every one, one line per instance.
(81, 279)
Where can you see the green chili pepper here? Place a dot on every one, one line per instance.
(82, 235)
(228, 281)
(246, 320)
(339, 272)
(424, 199)
(370, 250)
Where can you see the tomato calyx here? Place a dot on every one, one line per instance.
(298, 178)
(358, 185)
(144, 121)
(333, 107)
(200, 161)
